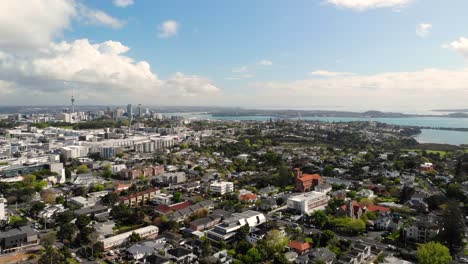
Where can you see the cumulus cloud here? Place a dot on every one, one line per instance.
(460, 46)
(101, 69)
(390, 90)
(24, 27)
(323, 73)
(362, 5)
(34, 65)
(423, 29)
(265, 63)
(123, 3)
(168, 29)
(23, 24)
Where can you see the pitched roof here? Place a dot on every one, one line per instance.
(137, 194)
(310, 177)
(299, 246)
(374, 208)
(175, 207)
(248, 196)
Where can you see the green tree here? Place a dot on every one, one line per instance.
(65, 217)
(242, 232)
(275, 242)
(36, 207)
(433, 253)
(177, 197)
(453, 228)
(48, 240)
(82, 169)
(67, 231)
(285, 176)
(135, 237)
(326, 236)
(82, 221)
(17, 221)
(319, 218)
(51, 255)
(110, 199)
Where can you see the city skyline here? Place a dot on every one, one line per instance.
(398, 55)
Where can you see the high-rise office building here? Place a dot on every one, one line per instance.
(129, 110)
(139, 111)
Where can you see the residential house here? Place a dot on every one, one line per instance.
(323, 255)
(299, 247)
(181, 255)
(143, 249)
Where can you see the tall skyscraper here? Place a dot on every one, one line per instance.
(139, 111)
(129, 110)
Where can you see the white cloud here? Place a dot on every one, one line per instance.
(423, 29)
(168, 29)
(323, 73)
(460, 46)
(101, 71)
(241, 77)
(240, 69)
(123, 3)
(362, 5)
(34, 65)
(265, 63)
(6, 88)
(98, 17)
(30, 24)
(428, 88)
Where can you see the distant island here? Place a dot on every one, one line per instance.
(322, 113)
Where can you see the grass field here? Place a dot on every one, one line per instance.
(419, 151)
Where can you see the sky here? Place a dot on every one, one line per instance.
(388, 55)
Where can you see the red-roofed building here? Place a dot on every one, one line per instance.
(306, 182)
(163, 208)
(122, 187)
(248, 197)
(354, 210)
(139, 198)
(300, 247)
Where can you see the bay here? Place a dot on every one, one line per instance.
(426, 136)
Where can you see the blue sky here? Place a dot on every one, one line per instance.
(266, 53)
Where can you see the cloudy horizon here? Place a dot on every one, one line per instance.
(354, 55)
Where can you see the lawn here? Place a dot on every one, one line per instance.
(419, 151)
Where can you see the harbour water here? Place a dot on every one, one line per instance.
(426, 136)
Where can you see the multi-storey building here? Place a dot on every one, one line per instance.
(72, 152)
(222, 188)
(227, 229)
(147, 231)
(306, 203)
(139, 198)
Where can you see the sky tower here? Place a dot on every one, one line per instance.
(73, 101)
